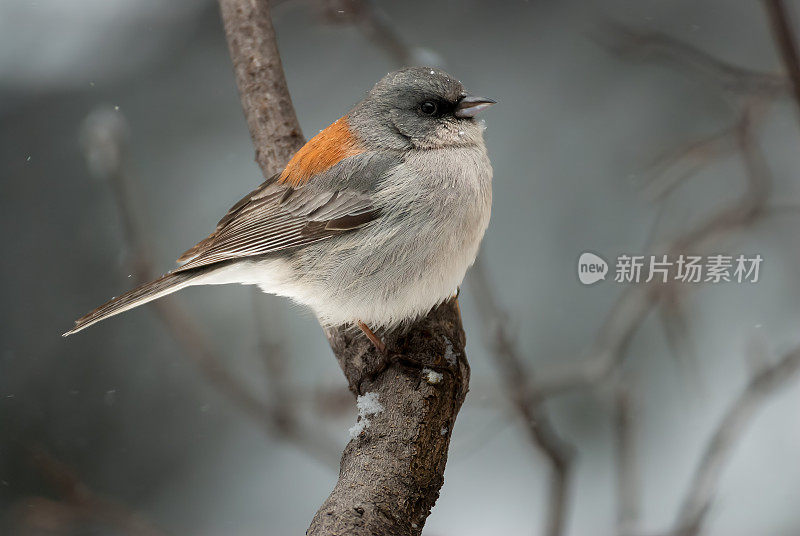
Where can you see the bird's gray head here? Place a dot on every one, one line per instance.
(419, 107)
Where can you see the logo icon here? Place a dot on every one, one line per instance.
(591, 268)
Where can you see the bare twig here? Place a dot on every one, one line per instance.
(702, 489)
(625, 431)
(671, 169)
(751, 204)
(629, 42)
(391, 475)
(79, 504)
(786, 42)
(525, 401)
(283, 400)
(272, 349)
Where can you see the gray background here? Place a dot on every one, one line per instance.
(123, 406)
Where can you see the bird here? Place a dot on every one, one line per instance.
(371, 224)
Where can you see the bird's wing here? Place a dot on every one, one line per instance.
(277, 216)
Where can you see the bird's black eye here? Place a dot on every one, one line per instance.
(428, 108)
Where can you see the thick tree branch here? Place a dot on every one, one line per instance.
(265, 96)
(391, 472)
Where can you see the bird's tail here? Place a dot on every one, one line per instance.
(166, 284)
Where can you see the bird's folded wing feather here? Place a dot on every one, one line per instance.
(277, 216)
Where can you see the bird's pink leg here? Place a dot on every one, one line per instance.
(376, 341)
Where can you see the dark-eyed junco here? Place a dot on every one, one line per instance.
(373, 222)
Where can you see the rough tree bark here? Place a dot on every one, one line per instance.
(392, 471)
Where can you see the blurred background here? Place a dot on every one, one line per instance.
(624, 127)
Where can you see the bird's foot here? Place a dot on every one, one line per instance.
(374, 339)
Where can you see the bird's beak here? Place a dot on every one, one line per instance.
(470, 106)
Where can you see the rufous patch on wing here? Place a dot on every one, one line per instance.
(320, 153)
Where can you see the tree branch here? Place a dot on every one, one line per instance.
(786, 42)
(265, 96)
(632, 43)
(392, 471)
(702, 489)
(625, 418)
(528, 404)
(80, 508)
